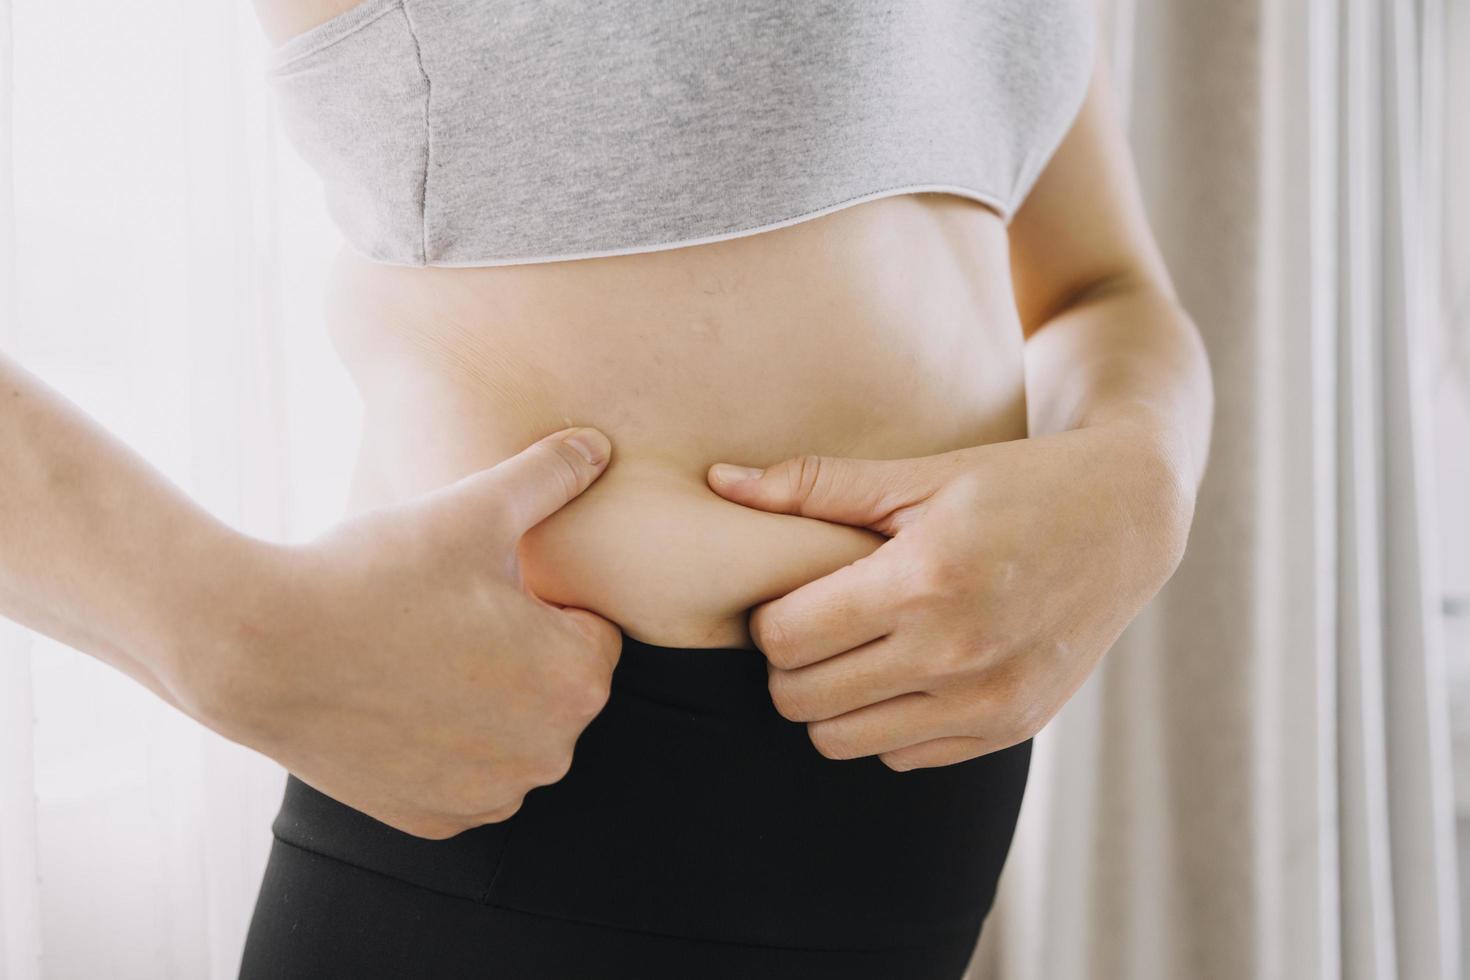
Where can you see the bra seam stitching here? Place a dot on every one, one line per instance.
(995, 202)
(279, 59)
(418, 54)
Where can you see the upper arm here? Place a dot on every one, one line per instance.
(1083, 228)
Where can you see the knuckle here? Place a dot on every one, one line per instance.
(923, 584)
(582, 689)
(610, 650)
(788, 698)
(895, 762)
(951, 660)
(588, 697)
(552, 767)
(562, 466)
(503, 812)
(805, 476)
(775, 641)
(990, 651)
(829, 742)
(940, 577)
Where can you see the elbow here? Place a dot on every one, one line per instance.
(1122, 284)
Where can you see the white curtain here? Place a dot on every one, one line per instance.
(1254, 784)
(1257, 782)
(161, 261)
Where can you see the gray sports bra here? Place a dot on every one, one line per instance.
(494, 132)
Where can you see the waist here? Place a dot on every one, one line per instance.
(693, 809)
(884, 330)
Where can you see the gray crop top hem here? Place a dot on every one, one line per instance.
(502, 132)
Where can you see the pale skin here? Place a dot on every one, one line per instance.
(1010, 568)
(396, 675)
(400, 663)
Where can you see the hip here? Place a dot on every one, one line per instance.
(694, 812)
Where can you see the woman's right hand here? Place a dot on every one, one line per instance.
(398, 664)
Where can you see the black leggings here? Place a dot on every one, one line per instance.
(698, 834)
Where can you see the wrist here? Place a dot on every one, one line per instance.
(219, 641)
(1155, 463)
(1154, 431)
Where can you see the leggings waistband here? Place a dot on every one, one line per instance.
(723, 680)
(692, 808)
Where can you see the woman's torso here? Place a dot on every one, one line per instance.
(882, 329)
(886, 329)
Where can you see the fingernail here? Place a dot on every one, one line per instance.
(590, 444)
(730, 473)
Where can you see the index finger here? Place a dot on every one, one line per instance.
(827, 616)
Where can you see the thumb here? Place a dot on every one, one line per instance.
(879, 494)
(547, 475)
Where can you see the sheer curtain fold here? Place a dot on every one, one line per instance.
(1256, 782)
(20, 916)
(161, 262)
(1260, 771)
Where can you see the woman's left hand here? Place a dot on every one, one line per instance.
(1010, 569)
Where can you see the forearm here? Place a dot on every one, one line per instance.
(100, 551)
(1125, 352)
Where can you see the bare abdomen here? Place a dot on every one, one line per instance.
(884, 330)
